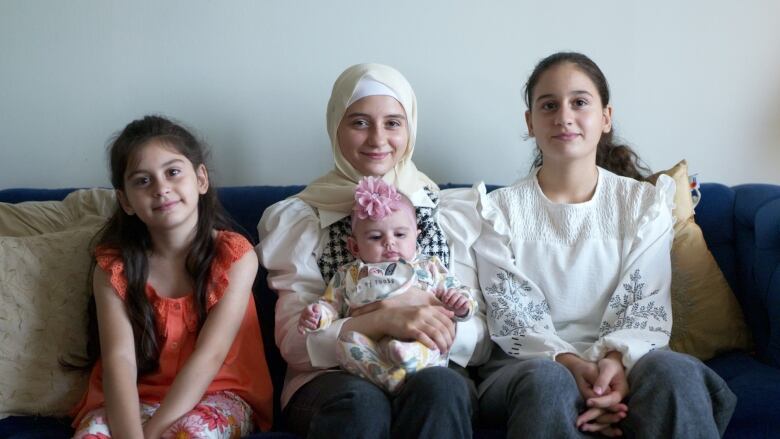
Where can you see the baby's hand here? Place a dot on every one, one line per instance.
(453, 300)
(310, 318)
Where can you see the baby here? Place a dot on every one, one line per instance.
(384, 243)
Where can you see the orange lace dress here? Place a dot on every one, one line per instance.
(244, 371)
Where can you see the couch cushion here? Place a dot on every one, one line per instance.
(707, 318)
(757, 387)
(43, 299)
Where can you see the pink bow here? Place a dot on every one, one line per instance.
(375, 199)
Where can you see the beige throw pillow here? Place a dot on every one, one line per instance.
(43, 299)
(707, 318)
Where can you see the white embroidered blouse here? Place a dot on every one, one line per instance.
(292, 237)
(585, 278)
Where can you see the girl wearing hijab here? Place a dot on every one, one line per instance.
(372, 124)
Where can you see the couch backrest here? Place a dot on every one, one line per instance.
(741, 226)
(757, 230)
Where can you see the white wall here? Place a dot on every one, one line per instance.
(690, 79)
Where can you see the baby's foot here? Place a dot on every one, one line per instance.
(412, 356)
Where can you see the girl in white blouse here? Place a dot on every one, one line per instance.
(372, 124)
(574, 264)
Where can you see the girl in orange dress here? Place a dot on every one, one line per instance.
(179, 352)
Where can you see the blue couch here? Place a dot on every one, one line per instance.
(741, 225)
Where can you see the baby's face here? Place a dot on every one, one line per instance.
(392, 238)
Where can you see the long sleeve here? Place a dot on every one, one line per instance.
(461, 222)
(638, 317)
(333, 304)
(518, 314)
(443, 280)
(290, 236)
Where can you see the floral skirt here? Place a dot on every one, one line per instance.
(218, 415)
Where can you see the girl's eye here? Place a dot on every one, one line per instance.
(174, 172)
(141, 181)
(394, 124)
(580, 102)
(359, 123)
(547, 106)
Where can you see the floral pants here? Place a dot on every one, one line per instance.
(218, 415)
(386, 363)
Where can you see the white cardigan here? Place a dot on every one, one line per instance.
(292, 237)
(584, 278)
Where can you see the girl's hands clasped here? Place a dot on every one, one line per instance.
(603, 385)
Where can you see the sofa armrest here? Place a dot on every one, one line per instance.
(766, 271)
(757, 224)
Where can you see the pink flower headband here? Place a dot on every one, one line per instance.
(375, 199)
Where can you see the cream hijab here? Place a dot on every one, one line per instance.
(335, 191)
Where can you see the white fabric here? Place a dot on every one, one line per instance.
(583, 278)
(370, 87)
(291, 243)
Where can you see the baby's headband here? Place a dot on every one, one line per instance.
(375, 199)
(368, 86)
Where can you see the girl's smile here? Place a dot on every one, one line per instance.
(166, 206)
(566, 136)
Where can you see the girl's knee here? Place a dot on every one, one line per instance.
(359, 395)
(543, 374)
(668, 365)
(438, 383)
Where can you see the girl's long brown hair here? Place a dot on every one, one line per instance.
(610, 155)
(129, 237)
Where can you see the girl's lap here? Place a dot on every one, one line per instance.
(217, 415)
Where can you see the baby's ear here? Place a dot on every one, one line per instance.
(352, 246)
(418, 233)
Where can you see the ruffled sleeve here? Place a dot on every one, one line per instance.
(110, 261)
(231, 247)
(290, 243)
(638, 318)
(518, 314)
(461, 223)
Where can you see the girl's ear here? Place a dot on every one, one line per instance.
(352, 246)
(607, 111)
(202, 175)
(528, 123)
(124, 203)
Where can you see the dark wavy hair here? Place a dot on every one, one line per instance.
(129, 237)
(610, 155)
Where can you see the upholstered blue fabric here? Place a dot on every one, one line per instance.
(740, 224)
(34, 427)
(757, 386)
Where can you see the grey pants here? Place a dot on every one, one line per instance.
(672, 395)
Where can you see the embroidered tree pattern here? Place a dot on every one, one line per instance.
(631, 313)
(510, 305)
